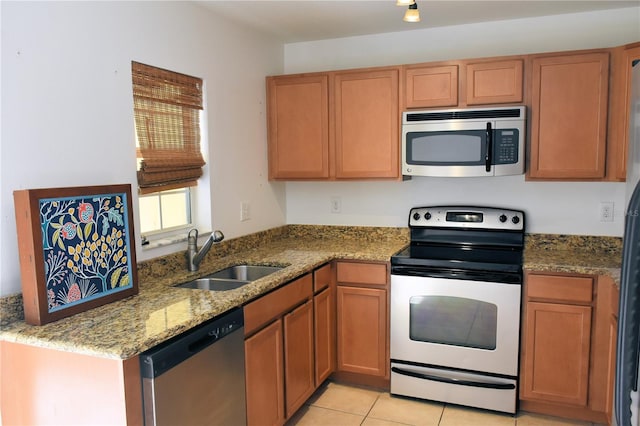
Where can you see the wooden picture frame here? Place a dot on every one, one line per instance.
(76, 248)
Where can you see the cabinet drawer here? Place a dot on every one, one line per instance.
(276, 303)
(564, 288)
(362, 273)
(322, 278)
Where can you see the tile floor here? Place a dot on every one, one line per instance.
(339, 405)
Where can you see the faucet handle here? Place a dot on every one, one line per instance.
(192, 239)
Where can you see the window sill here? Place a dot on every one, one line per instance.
(167, 240)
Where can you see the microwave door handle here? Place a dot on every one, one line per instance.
(489, 154)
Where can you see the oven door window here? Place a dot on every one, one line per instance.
(446, 148)
(453, 321)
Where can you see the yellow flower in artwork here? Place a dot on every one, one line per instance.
(71, 250)
(70, 264)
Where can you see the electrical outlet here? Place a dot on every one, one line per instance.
(245, 211)
(606, 211)
(336, 204)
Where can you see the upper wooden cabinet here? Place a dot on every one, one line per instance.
(367, 124)
(431, 86)
(298, 126)
(569, 104)
(496, 82)
(620, 110)
(464, 83)
(337, 125)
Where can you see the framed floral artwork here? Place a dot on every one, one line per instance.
(76, 249)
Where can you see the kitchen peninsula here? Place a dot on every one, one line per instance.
(119, 331)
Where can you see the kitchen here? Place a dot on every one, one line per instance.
(60, 115)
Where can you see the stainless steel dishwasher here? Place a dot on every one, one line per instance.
(197, 378)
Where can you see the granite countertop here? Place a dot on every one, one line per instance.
(160, 311)
(574, 254)
(125, 328)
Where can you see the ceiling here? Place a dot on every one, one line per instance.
(294, 21)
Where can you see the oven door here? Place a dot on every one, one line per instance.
(469, 325)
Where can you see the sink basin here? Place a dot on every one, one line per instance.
(231, 278)
(245, 272)
(214, 284)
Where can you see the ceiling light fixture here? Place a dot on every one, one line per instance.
(405, 2)
(412, 14)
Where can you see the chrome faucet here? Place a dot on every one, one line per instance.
(194, 257)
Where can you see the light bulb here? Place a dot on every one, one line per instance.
(412, 14)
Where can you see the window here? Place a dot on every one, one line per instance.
(167, 109)
(165, 211)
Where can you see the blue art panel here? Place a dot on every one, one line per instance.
(85, 242)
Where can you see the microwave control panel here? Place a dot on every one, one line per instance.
(506, 146)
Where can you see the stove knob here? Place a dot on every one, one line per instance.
(416, 216)
(503, 218)
(515, 220)
(427, 215)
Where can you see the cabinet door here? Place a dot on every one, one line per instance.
(325, 335)
(556, 353)
(298, 127)
(264, 376)
(431, 86)
(621, 110)
(362, 330)
(298, 358)
(569, 116)
(367, 124)
(494, 82)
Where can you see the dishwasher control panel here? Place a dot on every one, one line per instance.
(169, 354)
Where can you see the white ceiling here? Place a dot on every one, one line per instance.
(305, 20)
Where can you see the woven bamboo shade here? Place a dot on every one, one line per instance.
(167, 114)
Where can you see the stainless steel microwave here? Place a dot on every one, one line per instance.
(464, 142)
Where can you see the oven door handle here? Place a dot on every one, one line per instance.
(404, 372)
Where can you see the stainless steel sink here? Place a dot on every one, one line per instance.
(214, 284)
(245, 272)
(231, 278)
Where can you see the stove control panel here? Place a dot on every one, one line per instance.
(466, 217)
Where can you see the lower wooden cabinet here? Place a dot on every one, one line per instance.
(289, 346)
(567, 346)
(362, 319)
(324, 314)
(558, 345)
(299, 368)
(264, 362)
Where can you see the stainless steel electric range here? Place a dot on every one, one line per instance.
(455, 307)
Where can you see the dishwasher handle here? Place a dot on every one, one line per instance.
(169, 354)
(203, 342)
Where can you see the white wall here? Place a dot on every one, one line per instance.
(569, 208)
(67, 110)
